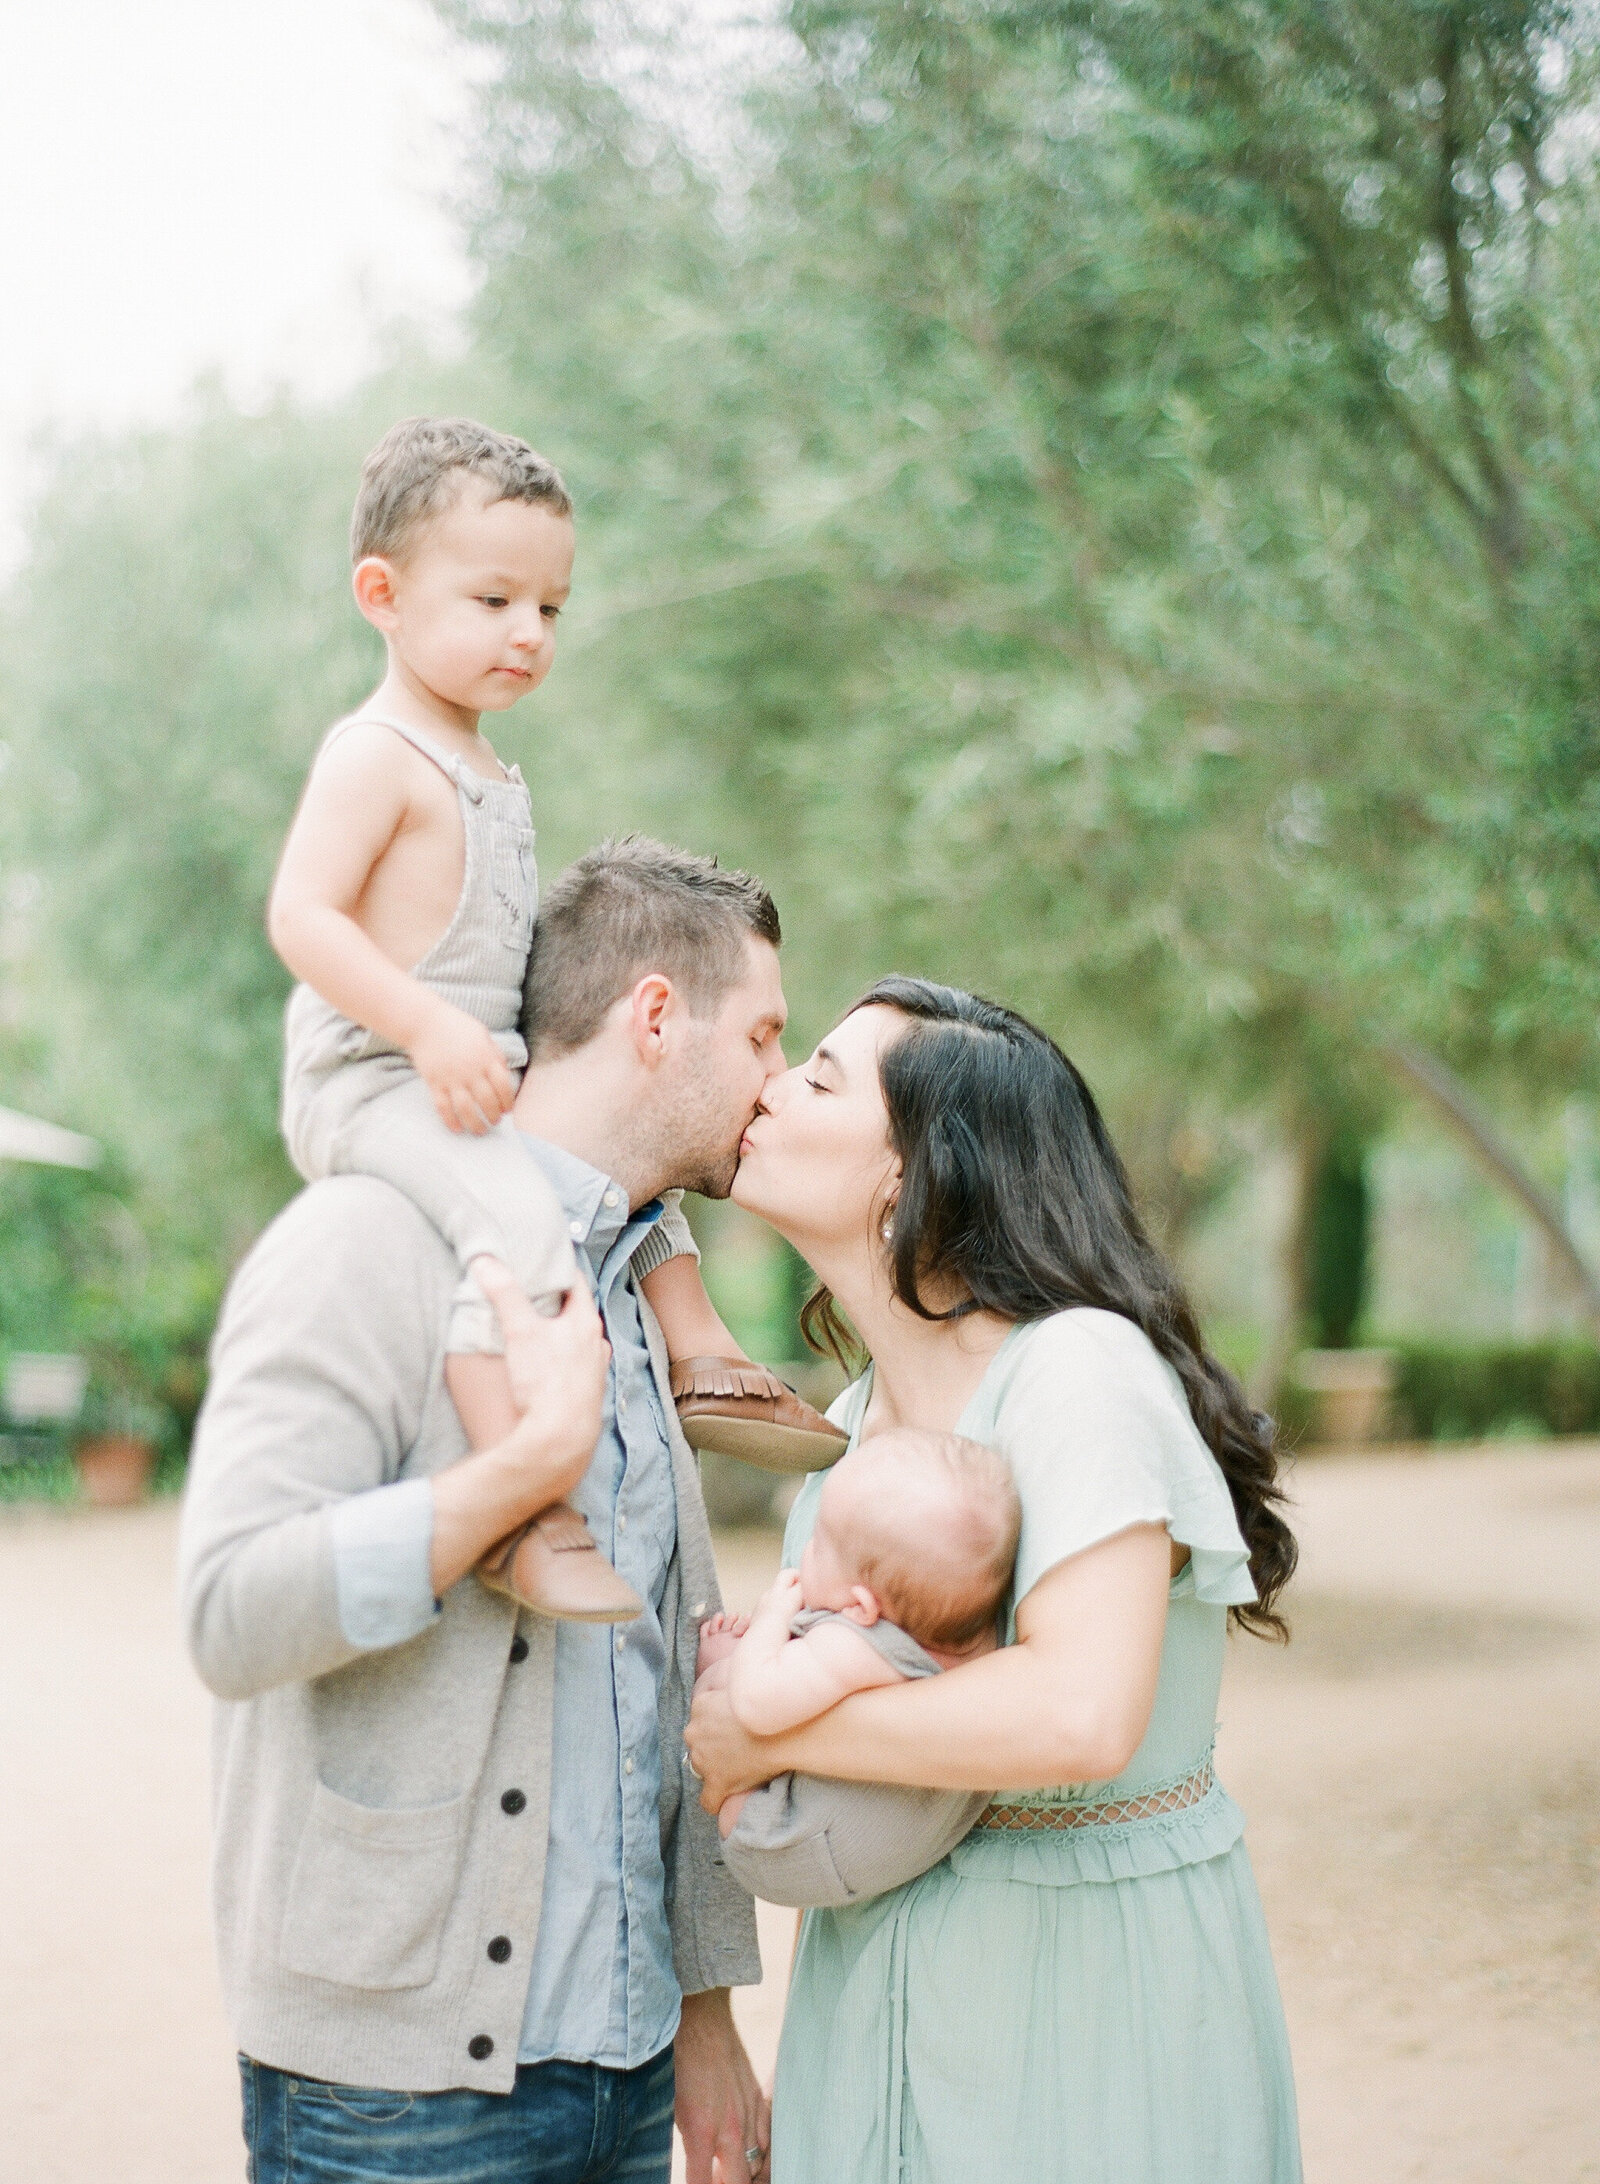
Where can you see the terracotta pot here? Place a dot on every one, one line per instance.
(1351, 1391)
(115, 1468)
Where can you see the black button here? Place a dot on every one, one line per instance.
(499, 1949)
(513, 1801)
(480, 2047)
(519, 1647)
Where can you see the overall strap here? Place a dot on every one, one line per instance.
(451, 767)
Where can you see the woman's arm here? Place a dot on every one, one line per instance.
(1069, 1702)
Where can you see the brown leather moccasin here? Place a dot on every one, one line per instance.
(554, 1567)
(739, 1409)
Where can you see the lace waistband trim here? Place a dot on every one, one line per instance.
(1172, 1797)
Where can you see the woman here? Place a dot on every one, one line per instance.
(1083, 1990)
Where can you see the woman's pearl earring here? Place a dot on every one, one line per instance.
(887, 1230)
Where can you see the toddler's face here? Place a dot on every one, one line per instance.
(474, 604)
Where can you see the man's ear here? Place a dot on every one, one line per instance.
(863, 1607)
(650, 1005)
(373, 582)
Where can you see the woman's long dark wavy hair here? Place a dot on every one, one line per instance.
(1013, 1197)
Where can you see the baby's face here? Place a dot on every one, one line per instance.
(828, 1567)
(475, 599)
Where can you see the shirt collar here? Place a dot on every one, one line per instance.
(596, 1206)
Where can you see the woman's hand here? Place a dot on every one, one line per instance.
(727, 1758)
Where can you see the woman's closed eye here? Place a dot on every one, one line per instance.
(492, 600)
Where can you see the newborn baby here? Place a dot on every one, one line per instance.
(904, 1575)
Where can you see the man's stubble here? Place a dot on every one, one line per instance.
(694, 1142)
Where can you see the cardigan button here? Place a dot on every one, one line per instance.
(480, 2047)
(499, 1949)
(513, 1801)
(519, 1647)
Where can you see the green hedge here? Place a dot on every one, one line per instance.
(1459, 1391)
(1455, 1392)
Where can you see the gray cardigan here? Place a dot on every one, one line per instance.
(381, 1816)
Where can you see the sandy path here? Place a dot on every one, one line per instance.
(1421, 1770)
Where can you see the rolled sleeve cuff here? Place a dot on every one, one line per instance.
(382, 1548)
(669, 1238)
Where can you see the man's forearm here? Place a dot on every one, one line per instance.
(722, 2113)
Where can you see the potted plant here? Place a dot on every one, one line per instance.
(119, 1438)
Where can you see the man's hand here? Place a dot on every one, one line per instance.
(555, 1346)
(457, 1059)
(722, 2113)
(557, 1372)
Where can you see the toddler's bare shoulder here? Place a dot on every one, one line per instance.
(366, 756)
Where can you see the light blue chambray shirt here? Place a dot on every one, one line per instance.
(602, 1988)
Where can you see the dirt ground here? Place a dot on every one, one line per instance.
(1421, 1770)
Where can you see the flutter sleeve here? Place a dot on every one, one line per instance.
(1097, 1430)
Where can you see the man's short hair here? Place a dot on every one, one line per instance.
(626, 909)
(411, 473)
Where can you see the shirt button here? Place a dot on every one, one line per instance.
(575, 1228)
(480, 2047)
(613, 1197)
(499, 1949)
(519, 1647)
(627, 1766)
(622, 1406)
(618, 1641)
(513, 1802)
(622, 1522)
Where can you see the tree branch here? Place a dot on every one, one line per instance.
(1478, 1132)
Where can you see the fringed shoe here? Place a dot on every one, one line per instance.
(554, 1567)
(738, 1409)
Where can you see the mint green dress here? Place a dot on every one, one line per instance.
(1094, 2005)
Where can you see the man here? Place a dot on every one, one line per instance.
(468, 1920)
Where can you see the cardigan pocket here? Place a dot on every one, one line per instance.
(371, 1891)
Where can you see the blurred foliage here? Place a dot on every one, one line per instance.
(1340, 1237)
(1102, 494)
(1457, 1392)
(80, 1272)
(1098, 502)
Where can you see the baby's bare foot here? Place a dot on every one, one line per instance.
(719, 1634)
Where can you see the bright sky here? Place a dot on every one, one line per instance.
(191, 184)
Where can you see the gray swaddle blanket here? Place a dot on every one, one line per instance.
(809, 1841)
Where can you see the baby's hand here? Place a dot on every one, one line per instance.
(784, 1598)
(463, 1069)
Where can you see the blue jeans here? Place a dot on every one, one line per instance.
(562, 2123)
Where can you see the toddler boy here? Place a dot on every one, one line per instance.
(405, 903)
(904, 1575)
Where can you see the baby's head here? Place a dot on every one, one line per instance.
(920, 1528)
(462, 548)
